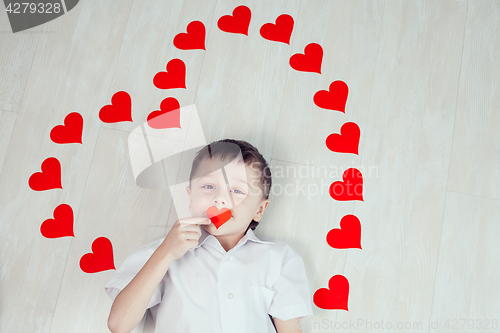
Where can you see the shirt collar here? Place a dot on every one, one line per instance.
(248, 236)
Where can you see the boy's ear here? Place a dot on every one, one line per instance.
(262, 208)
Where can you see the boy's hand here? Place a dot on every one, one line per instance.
(183, 236)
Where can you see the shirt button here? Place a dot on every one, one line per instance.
(227, 258)
(229, 295)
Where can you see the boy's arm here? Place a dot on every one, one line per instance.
(287, 326)
(131, 303)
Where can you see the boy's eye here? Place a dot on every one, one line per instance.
(239, 191)
(206, 185)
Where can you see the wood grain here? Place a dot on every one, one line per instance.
(7, 121)
(423, 80)
(475, 157)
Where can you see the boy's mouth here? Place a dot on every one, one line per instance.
(218, 217)
(232, 212)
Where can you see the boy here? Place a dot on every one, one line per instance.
(218, 277)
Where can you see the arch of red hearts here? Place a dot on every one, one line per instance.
(120, 109)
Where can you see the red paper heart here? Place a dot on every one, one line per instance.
(119, 110)
(217, 217)
(348, 236)
(61, 225)
(101, 258)
(334, 298)
(174, 77)
(333, 99)
(237, 23)
(193, 39)
(70, 132)
(310, 61)
(351, 188)
(169, 115)
(345, 142)
(279, 32)
(49, 178)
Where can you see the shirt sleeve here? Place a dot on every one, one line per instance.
(129, 269)
(291, 291)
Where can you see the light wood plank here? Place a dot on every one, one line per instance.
(408, 142)
(467, 285)
(70, 72)
(114, 207)
(7, 121)
(241, 83)
(349, 35)
(16, 56)
(475, 158)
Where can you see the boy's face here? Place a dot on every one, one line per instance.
(242, 195)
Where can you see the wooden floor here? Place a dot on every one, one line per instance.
(424, 87)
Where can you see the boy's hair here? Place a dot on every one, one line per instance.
(251, 157)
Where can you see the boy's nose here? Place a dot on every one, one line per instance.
(222, 199)
(222, 202)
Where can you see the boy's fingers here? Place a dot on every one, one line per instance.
(206, 221)
(194, 220)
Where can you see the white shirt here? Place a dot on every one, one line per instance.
(211, 290)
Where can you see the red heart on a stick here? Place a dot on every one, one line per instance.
(70, 132)
(217, 217)
(348, 236)
(345, 142)
(61, 225)
(169, 115)
(101, 258)
(334, 298)
(174, 77)
(119, 110)
(310, 61)
(49, 178)
(279, 32)
(351, 188)
(333, 99)
(237, 23)
(193, 39)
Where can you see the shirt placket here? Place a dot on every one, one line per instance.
(231, 300)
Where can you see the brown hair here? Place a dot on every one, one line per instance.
(251, 156)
